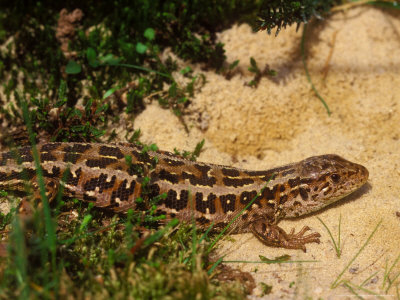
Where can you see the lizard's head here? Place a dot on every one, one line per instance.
(323, 180)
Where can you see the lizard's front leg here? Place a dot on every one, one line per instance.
(273, 235)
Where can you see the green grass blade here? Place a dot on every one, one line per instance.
(369, 278)
(50, 228)
(216, 264)
(21, 262)
(206, 232)
(270, 261)
(194, 242)
(337, 246)
(392, 281)
(303, 57)
(386, 275)
(352, 290)
(143, 69)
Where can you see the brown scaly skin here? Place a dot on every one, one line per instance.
(111, 176)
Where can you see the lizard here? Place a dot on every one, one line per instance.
(116, 176)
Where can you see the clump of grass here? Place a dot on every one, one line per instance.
(106, 256)
(389, 279)
(90, 252)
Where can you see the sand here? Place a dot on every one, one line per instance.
(354, 60)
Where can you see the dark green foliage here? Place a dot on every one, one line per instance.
(259, 73)
(110, 33)
(279, 13)
(116, 45)
(108, 257)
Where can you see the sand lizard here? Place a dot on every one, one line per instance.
(111, 176)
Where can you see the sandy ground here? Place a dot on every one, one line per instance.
(354, 61)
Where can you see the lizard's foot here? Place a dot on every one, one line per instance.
(273, 235)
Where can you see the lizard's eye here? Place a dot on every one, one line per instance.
(335, 177)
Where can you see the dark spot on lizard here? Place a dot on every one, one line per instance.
(100, 182)
(235, 182)
(173, 202)
(268, 194)
(203, 180)
(227, 202)
(45, 152)
(165, 175)
(74, 180)
(25, 174)
(154, 190)
(173, 162)
(297, 204)
(55, 172)
(202, 168)
(294, 193)
(111, 151)
(184, 198)
(202, 205)
(202, 220)
(303, 194)
(294, 182)
(123, 192)
(101, 163)
(73, 152)
(246, 197)
(230, 172)
(283, 199)
(78, 148)
(71, 157)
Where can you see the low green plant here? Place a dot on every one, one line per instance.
(258, 73)
(191, 155)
